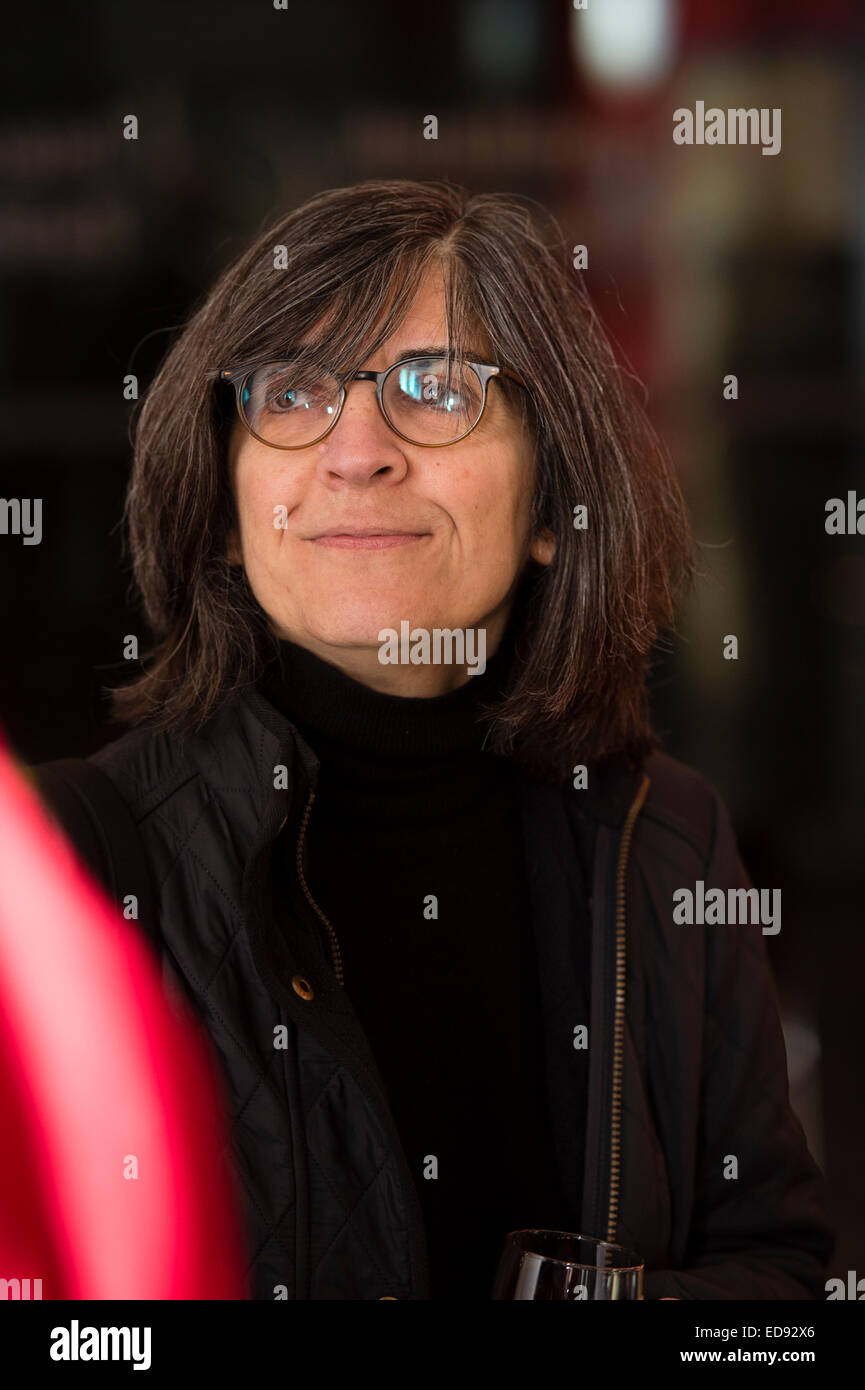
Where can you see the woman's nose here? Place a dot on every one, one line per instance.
(361, 442)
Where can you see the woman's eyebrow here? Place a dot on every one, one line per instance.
(436, 350)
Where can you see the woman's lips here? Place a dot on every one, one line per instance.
(382, 542)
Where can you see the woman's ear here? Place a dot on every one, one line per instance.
(543, 547)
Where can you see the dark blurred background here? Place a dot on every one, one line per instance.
(703, 261)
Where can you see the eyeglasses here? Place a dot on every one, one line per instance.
(425, 400)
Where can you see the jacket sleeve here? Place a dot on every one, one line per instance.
(764, 1233)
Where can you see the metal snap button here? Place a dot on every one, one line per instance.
(302, 987)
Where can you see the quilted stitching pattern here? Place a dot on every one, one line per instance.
(198, 882)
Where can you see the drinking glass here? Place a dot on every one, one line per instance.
(562, 1264)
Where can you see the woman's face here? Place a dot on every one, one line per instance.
(465, 509)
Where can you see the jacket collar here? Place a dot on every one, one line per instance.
(259, 735)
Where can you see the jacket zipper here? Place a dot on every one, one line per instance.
(619, 1011)
(334, 943)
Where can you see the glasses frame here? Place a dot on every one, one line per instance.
(485, 371)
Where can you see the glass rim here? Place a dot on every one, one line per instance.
(576, 1264)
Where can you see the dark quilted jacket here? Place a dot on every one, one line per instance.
(687, 1061)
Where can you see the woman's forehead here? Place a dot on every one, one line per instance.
(422, 329)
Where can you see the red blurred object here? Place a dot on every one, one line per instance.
(741, 22)
(100, 1078)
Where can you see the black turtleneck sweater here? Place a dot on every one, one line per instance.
(414, 853)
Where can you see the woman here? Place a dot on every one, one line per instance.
(405, 541)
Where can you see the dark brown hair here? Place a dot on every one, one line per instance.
(584, 625)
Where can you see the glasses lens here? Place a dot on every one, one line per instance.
(289, 405)
(432, 402)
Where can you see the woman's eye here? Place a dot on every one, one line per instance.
(431, 387)
(435, 394)
(289, 398)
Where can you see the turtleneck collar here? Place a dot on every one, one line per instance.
(335, 712)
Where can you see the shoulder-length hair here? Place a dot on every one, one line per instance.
(343, 269)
